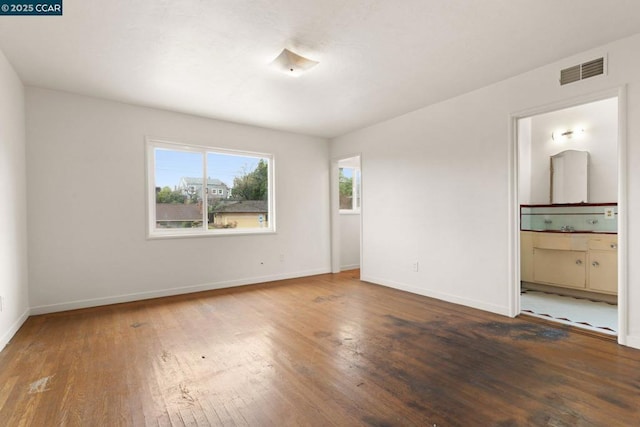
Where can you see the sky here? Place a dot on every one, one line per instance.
(171, 165)
(347, 172)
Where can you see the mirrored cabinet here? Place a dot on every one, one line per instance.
(570, 177)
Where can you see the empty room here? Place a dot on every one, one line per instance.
(313, 213)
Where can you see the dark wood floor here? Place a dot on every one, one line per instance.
(324, 350)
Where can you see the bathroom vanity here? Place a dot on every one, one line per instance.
(570, 246)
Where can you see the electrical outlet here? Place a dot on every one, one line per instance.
(414, 266)
(609, 213)
(281, 257)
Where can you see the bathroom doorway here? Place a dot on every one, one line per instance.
(568, 194)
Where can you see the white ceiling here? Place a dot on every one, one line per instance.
(378, 58)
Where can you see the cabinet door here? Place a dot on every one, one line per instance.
(603, 271)
(561, 268)
(526, 256)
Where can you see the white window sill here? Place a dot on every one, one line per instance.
(218, 233)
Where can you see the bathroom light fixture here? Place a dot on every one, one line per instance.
(293, 64)
(567, 134)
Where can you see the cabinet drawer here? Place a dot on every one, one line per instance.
(607, 243)
(560, 242)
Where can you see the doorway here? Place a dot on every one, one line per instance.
(346, 198)
(568, 255)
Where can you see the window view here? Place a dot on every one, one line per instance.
(198, 190)
(349, 181)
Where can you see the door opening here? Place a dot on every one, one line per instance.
(568, 197)
(347, 215)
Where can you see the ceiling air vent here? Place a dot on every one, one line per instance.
(582, 71)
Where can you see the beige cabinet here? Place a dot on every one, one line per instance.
(603, 264)
(526, 256)
(560, 267)
(572, 260)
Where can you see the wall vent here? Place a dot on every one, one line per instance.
(582, 71)
(570, 75)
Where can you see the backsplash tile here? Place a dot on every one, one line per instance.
(576, 218)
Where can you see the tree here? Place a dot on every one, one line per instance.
(346, 190)
(166, 195)
(253, 185)
(346, 184)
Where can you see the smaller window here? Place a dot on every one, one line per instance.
(349, 181)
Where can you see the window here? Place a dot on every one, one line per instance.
(186, 191)
(349, 181)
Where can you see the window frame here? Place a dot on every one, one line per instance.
(355, 191)
(151, 144)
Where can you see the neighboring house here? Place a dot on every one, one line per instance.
(178, 215)
(216, 189)
(240, 214)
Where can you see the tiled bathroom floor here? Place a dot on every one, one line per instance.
(594, 315)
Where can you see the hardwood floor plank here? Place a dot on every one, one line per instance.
(317, 351)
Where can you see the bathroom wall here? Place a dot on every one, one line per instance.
(600, 138)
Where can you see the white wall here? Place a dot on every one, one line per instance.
(13, 209)
(349, 241)
(87, 221)
(438, 185)
(524, 161)
(600, 139)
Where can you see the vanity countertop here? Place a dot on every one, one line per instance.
(572, 231)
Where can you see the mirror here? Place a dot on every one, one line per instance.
(569, 177)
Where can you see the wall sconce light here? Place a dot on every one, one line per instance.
(292, 64)
(566, 134)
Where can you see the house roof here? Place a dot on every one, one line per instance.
(241, 206)
(178, 212)
(198, 181)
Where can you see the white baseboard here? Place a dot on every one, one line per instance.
(493, 308)
(349, 267)
(633, 341)
(95, 302)
(4, 340)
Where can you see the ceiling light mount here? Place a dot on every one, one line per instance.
(293, 64)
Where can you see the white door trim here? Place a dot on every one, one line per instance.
(514, 211)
